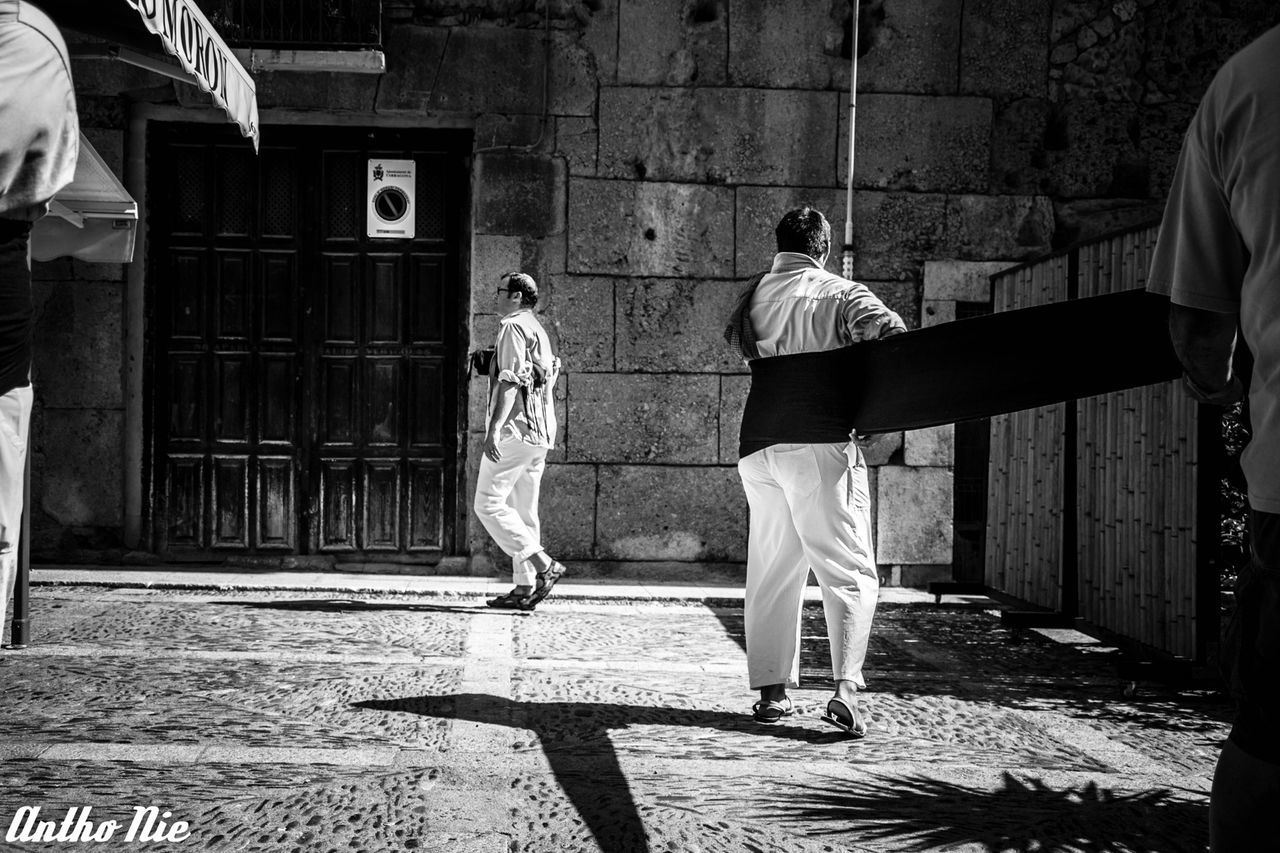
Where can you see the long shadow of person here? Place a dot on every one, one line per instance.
(576, 739)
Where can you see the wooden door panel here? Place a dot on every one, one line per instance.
(427, 398)
(279, 276)
(230, 502)
(276, 509)
(231, 295)
(231, 409)
(277, 398)
(425, 505)
(383, 300)
(186, 397)
(338, 377)
(337, 530)
(186, 288)
(184, 502)
(427, 299)
(340, 307)
(382, 390)
(381, 505)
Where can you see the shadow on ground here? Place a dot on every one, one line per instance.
(919, 814)
(916, 813)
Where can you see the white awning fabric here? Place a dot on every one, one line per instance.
(93, 218)
(188, 36)
(185, 33)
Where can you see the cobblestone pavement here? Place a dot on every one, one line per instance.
(312, 721)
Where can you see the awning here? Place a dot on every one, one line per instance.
(93, 218)
(186, 35)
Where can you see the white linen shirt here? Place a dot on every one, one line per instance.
(800, 307)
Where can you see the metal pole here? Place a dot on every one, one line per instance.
(21, 625)
(847, 261)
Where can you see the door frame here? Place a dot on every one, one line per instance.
(142, 370)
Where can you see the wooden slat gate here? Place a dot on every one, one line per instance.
(1102, 510)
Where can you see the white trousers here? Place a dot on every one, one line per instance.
(810, 509)
(506, 502)
(15, 419)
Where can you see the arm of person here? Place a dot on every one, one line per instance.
(504, 401)
(1204, 342)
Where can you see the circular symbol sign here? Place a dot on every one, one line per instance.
(391, 204)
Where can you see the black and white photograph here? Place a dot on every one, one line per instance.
(640, 426)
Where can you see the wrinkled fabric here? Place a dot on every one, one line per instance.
(800, 307)
(1219, 244)
(39, 129)
(523, 357)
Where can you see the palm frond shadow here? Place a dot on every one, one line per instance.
(917, 813)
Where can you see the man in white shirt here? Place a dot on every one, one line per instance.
(521, 429)
(39, 143)
(804, 475)
(1218, 260)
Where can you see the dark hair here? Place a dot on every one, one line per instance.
(522, 283)
(804, 230)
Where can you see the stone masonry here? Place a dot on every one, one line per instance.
(634, 155)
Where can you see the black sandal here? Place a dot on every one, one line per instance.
(546, 580)
(507, 601)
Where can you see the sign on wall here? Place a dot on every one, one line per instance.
(391, 185)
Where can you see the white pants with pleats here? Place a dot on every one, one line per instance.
(506, 502)
(810, 509)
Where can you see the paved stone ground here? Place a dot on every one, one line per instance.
(298, 720)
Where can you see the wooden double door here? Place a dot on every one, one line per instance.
(304, 378)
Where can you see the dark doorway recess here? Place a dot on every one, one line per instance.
(303, 378)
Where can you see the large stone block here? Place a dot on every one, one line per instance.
(578, 141)
(1099, 155)
(915, 142)
(658, 513)
(665, 326)
(718, 136)
(519, 194)
(601, 38)
(906, 45)
(893, 233)
(320, 90)
(77, 348)
(77, 466)
(1087, 219)
(984, 227)
(567, 510)
(933, 446)
(911, 46)
(914, 519)
(961, 281)
(472, 70)
(580, 321)
(1004, 48)
(1020, 143)
(650, 229)
(733, 398)
(637, 418)
(934, 312)
(673, 42)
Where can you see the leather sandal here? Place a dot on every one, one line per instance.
(545, 581)
(846, 718)
(771, 712)
(506, 601)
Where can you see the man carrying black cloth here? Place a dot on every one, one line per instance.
(39, 142)
(804, 475)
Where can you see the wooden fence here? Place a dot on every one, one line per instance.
(1095, 508)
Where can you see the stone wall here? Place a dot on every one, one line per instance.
(634, 155)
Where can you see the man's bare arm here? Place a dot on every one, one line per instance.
(1204, 342)
(504, 401)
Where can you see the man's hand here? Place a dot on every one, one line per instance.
(491, 447)
(890, 331)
